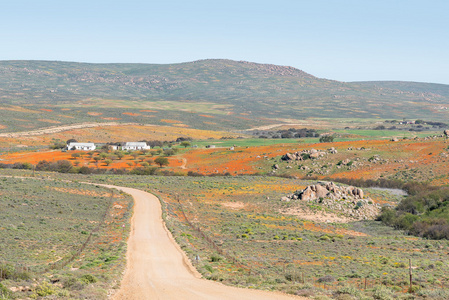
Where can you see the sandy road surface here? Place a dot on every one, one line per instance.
(158, 269)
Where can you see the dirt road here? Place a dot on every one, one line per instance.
(158, 269)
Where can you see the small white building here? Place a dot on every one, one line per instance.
(81, 146)
(135, 146)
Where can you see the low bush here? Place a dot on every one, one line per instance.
(42, 290)
(4, 292)
(327, 278)
(382, 293)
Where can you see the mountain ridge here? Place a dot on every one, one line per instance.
(259, 93)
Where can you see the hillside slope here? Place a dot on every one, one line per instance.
(257, 93)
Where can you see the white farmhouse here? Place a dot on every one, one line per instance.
(81, 146)
(135, 146)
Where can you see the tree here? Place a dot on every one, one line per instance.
(58, 145)
(326, 138)
(108, 162)
(71, 141)
(75, 155)
(161, 161)
(185, 144)
(62, 166)
(106, 148)
(119, 154)
(169, 152)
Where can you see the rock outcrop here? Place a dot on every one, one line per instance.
(328, 190)
(346, 200)
(306, 154)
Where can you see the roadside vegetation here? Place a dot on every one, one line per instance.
(236, 228)
(64, 240)
(234, 231)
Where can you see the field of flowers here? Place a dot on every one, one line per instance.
(235, 227)
(420, 159)
(408, 159)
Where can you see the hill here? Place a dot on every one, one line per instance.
(232, 94)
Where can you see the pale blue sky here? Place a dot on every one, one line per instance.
(336, 39)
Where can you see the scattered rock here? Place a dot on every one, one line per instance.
(346, 161)
(305, 154)
(446, 132)
(332, 150)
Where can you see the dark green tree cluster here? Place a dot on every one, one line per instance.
(326, 138)
(425, 212)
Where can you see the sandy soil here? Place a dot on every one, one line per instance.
(184, 164)
(158, 269)
(323, 217)
(234, 205)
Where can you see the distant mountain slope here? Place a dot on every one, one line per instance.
(200, 80)
(256, 93)
(409, 86)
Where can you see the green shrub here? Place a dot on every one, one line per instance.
(42, 290)
(72, 283)
(87, 278)
(414, 289)
(4, 292)
(215, 258)
(325, 238)
(327, 278)
(382, 293)
(348, 289)
(209, 268)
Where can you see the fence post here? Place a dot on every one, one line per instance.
(410, 270)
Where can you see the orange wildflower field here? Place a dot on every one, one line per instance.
(418, 159)
(421, 160)
(86, 159)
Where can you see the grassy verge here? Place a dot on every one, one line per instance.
(64, 239)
